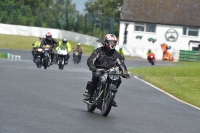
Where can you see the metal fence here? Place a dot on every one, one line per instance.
(90, 24)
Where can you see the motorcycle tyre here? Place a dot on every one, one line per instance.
(152, 62)
(107, 110)
(45, 62)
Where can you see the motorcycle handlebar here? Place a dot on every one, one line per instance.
(107, 71)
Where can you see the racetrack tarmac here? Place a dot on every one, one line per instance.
(35, 100)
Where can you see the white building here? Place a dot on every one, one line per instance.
(149, 23)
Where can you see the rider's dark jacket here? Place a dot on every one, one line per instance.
(102, 58)
(50, 42)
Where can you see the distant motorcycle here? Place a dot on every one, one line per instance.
(76, 57)
(151, 58)
(104, 95)
(38, 54)
(62, 53)
(47, 57)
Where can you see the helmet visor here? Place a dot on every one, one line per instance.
(64, 44)
(112, 43)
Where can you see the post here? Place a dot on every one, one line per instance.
(77, 22)
(103, 20)
(111, 25)
(67, 22)
(102, 27)
(38, 18)
(92, 24)
(85, 28)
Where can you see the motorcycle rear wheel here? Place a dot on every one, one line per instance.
(91, 108)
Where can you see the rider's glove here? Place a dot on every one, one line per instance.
(93, 68)
(126, 75)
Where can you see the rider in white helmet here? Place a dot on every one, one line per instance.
(79, 50)
(104, 57)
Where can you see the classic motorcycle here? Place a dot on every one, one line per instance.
(62, 53)
(151, 58)
(47, 57)
(104, 95)
(38, 60)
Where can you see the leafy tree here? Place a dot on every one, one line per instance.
(61, 14)
(104, 10)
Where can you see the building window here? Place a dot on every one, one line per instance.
(190, 31)
(145, 27)
(139, 27)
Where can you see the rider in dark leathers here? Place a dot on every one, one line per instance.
(50, 41)
(104, 57)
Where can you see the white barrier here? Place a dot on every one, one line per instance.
(13, 57)
(56, 33)
(175, 54)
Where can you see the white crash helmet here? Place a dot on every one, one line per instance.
(110, 41)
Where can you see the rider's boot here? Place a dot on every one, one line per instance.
(87, 96)
(90, 92)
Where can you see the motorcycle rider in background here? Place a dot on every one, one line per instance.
(148, 53)
(79, 50)
(36, 45)
(121, 51)
(67, 45)
(104, 57)
(50, 41)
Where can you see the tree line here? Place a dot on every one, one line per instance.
(100, 16)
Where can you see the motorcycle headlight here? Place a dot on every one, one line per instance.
(114, 74)
(103, 78)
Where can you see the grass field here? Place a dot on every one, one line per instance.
(25, 43)
(182, 81)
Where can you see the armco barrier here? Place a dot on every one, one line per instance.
(190, 56)
(12, 57)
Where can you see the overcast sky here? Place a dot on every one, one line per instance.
(80, 4)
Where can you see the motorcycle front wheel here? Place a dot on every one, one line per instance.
(38, 63)
(76, 59)
(107, 103)
(45, 62)
(152, 62)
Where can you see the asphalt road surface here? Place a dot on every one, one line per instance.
(49, 101)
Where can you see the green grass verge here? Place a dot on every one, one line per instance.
(2, 55)
(182, 81)
(25, 43)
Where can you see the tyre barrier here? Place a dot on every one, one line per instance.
(12, 57)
